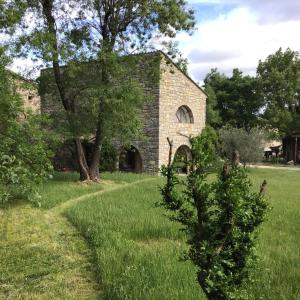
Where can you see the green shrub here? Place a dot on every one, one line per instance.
(220, 219)
(24, 156)
(248, 143)
(108, 157)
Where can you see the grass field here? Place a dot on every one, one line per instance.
(131, 250)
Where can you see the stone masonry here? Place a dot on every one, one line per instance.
(173, 90)
(31, 98)
(28, 92)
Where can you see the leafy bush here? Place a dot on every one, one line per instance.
(108, 157)
(220, 219)
(248, 143)
(24, 159)
(24, 156)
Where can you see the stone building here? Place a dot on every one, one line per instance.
(177, 111)
(28, 91)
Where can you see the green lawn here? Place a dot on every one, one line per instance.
(43, 257)
(65, 186)
(132, 249)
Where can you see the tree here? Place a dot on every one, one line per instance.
(212, 113)
(234, 98)
(24, 155)
(72, 31)
(248, 143)
(220, 219)
(279, 86)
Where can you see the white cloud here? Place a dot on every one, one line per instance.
(26, 67)
(240, 33)
(234, 38)
(266, 10)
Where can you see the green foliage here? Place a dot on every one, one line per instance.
(108, 157)
(24, 156)
(24, 159)
(136, 248)
(171, 48)
(134, 237)
(212, 113)
(116, 104)
(235, 100)
(271, 99)
(112, 103)
(220, 219)
(279, 86)
(250, 144)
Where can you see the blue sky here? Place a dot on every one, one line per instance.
(238, 33)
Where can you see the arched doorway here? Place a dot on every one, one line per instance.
(130, 160)
(182, 156)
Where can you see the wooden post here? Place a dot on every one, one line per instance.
(235, 158)
(263, 188)
(170, 151)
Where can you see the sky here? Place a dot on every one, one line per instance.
(238, 33)
(233, 34)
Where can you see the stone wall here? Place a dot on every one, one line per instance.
(29, 94)
(173, 90)
(148, 146)
(176, 89)
(32, 100)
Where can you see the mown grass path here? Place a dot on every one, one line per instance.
(133, 249)
(108, 186)
(42, 256)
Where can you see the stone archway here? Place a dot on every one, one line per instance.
(130, 160)
(182, 156)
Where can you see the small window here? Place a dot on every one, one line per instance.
(184, 115)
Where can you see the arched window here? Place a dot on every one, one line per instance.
(184, 115)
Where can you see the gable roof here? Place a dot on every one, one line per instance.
(179, 69)
(158, 52)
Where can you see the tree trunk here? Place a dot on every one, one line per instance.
(95, 164)
(47, 7)
(83, 166)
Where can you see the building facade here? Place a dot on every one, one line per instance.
(28, 91)
(177, 112)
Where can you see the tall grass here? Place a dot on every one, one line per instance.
(279, 242)
(137, 248)
(65, 186)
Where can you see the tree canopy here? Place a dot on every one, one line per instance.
(232, 100)
(271, 99)
(24, 155)
(279, 87)
(57, 33)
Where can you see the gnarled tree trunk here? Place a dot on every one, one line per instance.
(81, 158)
